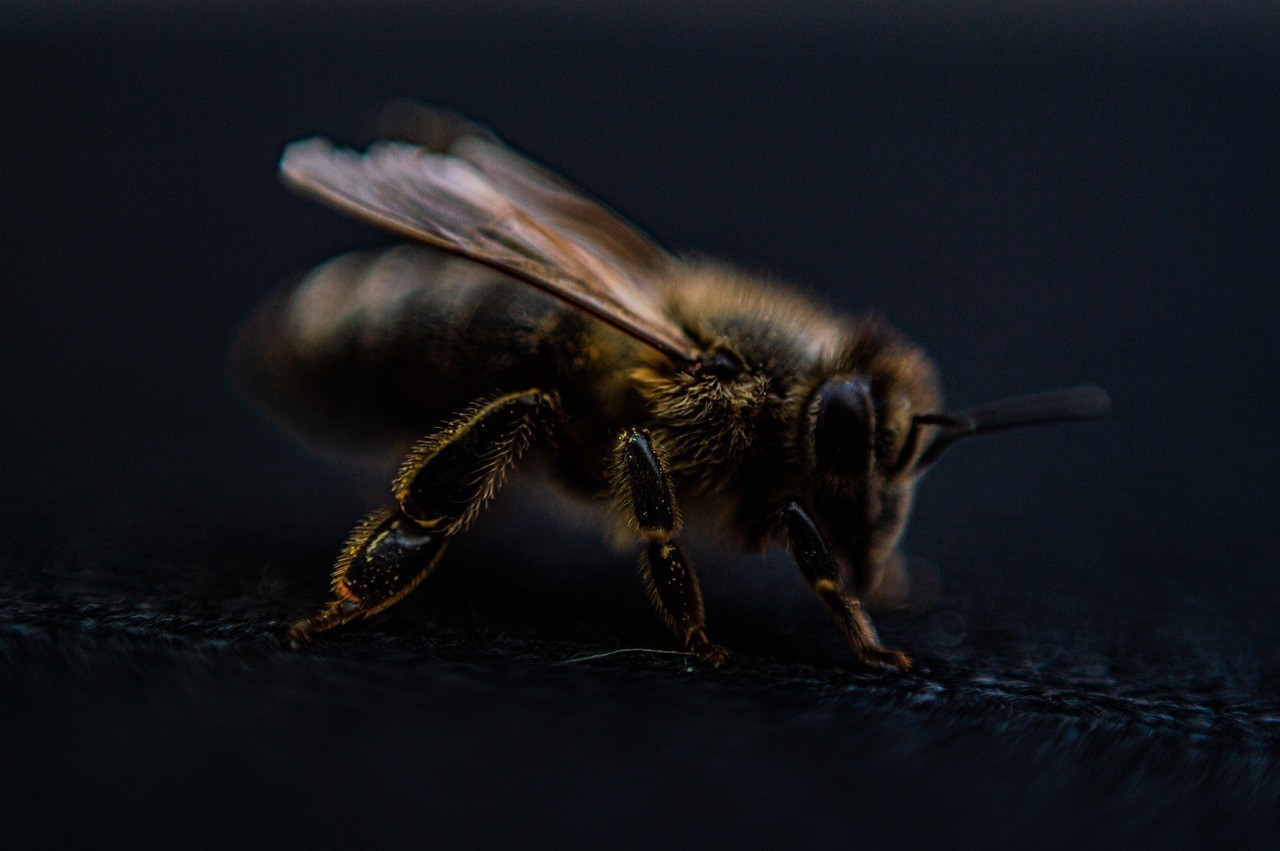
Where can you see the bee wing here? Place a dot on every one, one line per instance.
(490, 208)
(557, 201)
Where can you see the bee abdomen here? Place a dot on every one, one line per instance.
(374, 348)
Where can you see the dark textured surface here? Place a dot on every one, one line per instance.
(1040, 200)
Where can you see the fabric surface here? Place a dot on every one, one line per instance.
(1041, 203)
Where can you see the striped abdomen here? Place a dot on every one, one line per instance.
(374, 348)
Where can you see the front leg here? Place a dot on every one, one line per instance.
(643, 491)
(444, 482)
(830, 582)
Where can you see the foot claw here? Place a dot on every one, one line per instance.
(300, 634)
(709, 655)
(303, 632)
(884, 658)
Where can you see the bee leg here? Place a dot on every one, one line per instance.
(385, 558)
(445, 481)
(643, 490)
(829, 581)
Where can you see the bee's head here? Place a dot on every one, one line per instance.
(859, 449)
(868, 434)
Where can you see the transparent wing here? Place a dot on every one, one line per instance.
(479, 200)
(556, 201)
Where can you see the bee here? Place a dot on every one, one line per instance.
(524, 322)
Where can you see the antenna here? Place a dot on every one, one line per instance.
(1055, 406)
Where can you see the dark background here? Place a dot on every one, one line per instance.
(1041, 197)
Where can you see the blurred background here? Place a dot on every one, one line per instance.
(1041, 196)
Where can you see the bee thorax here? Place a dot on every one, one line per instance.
(708, 427)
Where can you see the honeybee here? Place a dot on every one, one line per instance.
(526, 319)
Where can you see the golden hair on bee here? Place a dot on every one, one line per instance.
(664, 391)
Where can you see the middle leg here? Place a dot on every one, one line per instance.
(644, 492)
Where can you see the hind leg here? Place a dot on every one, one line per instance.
(445, 481)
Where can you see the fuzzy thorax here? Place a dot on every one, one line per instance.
(705, 425)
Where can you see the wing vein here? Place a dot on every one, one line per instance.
(498, 221)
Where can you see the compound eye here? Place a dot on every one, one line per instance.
(844, 426)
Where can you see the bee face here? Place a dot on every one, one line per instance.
(857, 432)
